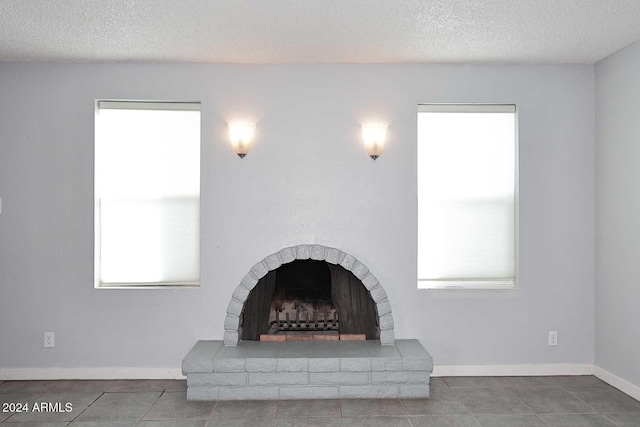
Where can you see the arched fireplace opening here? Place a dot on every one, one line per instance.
(233, 323)
(307, 300)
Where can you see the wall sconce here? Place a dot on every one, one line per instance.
(241, 135)
(374, 137)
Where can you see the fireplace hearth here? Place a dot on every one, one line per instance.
(255, 370)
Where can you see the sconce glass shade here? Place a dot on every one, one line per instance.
(374, 137)
(241, 135)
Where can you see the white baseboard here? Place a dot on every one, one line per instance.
(619, 383)
(542, 369)
(438, 371)
(91, 374)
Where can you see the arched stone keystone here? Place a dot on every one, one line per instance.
(302, 252)
(318, 253)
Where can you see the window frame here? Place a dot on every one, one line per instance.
(470, 283)
(138, 104)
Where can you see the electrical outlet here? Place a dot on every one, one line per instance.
(48, 340)
(553, 338)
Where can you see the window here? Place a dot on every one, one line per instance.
(147, 194)
(467, 162)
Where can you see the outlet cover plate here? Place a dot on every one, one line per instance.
(49, 340)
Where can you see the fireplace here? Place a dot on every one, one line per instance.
(308, 290)
(356, 296)
(308, 300)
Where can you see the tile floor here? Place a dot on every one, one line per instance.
(455, 402)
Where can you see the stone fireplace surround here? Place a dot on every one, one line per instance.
(246, 370)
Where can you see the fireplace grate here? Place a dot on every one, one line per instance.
(314, 320)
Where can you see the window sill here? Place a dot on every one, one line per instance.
(149, 286)
(489, 284)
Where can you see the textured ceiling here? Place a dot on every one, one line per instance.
(317, 31)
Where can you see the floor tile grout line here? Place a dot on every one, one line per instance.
(88, 406)
(465, 406)
(577, 397)
(213, 409)
(151, 406)
(609, 419)
(521, 401)
(570, 413)
(544, 422)
(601, 414)
(534, 415)
(457, 398)
(474, 416)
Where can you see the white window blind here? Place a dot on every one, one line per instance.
(466, 196)
(147, 189)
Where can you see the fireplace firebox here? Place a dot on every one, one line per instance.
(358, 303)
(306, 299)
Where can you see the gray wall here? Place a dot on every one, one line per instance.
(307, 180)
(617, 342)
